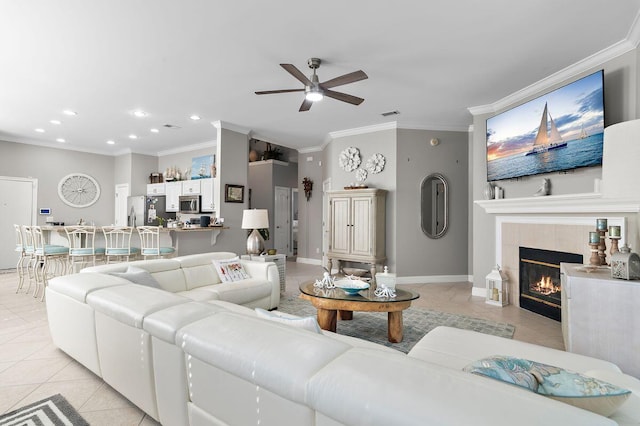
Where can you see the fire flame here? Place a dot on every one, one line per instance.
(545, 286)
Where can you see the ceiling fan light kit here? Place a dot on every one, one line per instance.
(316, 91)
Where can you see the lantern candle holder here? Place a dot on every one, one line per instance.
(497, 288)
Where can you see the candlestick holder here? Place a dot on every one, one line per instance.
(602, 247)
(614, 245)
(595, 257)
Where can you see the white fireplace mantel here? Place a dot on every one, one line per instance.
(591, 202)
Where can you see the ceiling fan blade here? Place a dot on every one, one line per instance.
(306, 105)
(270, 92)
(345, 79)
(344, 97)
(291, 69)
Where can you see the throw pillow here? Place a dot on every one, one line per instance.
(307, 323)
(230, 270)
(138, 276)
(557, 383)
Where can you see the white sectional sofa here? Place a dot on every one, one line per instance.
(197, 361)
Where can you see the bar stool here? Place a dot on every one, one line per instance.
(118, 243)
(45, 254)
(150, 243)
(82, 246)
(25, 253)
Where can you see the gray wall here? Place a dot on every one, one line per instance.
(263, 177)
(310, 212)
(417, 254)
(49, 166)
(385, 143)
(621, 101)
(232, 147)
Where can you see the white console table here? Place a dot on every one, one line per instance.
(279, 259)
(601, 316)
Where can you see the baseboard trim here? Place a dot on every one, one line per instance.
(431, 279)
(479, 291)
(309, 261)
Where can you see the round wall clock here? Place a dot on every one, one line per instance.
(78, 190)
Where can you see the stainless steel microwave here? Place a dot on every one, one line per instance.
(189, 204)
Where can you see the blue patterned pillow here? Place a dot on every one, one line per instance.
(563, 385)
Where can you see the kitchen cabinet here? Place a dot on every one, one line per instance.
(206, 191)
(600, 316)
(191, 187)
(357, 227)
(155, 189)
(173, 191)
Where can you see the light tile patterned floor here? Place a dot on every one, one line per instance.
(31, 368)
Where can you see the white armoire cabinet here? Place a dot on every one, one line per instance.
(357, 227)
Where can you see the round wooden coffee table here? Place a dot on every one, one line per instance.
(335, 302)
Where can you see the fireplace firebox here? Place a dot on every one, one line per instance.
(540, 288)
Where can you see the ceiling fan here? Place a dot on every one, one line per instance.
(314, 90)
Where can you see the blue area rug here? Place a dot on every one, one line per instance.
(417, 322)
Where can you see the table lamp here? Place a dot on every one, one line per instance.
(255, 219)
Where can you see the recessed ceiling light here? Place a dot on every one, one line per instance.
(39, 130)
(194, 117)
(61, 140)
(69, 112)
(140, 113)
(132, 136)
(155, 131)
(111, 142)
(56, 122)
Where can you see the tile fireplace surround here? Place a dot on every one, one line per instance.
(560, 223)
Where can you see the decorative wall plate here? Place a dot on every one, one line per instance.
(361, 175)
(375, 164)
(78, 190)
(349, 159)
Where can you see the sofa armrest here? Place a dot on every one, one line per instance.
(267, 271)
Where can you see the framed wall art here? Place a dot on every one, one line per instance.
(234, 193)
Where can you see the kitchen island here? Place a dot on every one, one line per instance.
(186, 241)
(194, 240)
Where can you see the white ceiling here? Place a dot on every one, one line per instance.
(430, 60)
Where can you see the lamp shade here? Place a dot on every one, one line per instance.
(255, 219)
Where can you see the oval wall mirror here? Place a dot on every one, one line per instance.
(434, 209)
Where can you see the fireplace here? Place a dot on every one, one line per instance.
(540, 288)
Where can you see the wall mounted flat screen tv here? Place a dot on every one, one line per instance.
(558, 131)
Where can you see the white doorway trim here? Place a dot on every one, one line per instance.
(120, 204)
(326, 186)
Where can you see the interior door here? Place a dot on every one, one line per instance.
(282, 219)
(18, 198)
(122, 192)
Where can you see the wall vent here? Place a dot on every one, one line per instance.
(171, 126)
(387, 114)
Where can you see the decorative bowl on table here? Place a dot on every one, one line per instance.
(351, 286)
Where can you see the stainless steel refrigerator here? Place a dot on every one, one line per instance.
(145, 210)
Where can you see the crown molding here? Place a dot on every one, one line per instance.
(437, 127)
(583, 66)
(219, 124)
(310, 149)
(392, 125)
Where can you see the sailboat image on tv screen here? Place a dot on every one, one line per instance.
(546, 141)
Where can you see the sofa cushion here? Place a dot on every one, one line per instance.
(130, 304)
(563, 385)
(165, 323)
(240, 292)
(306, 323)
(455, 348)
(78, 286)
(230, 270)
(137, 276)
